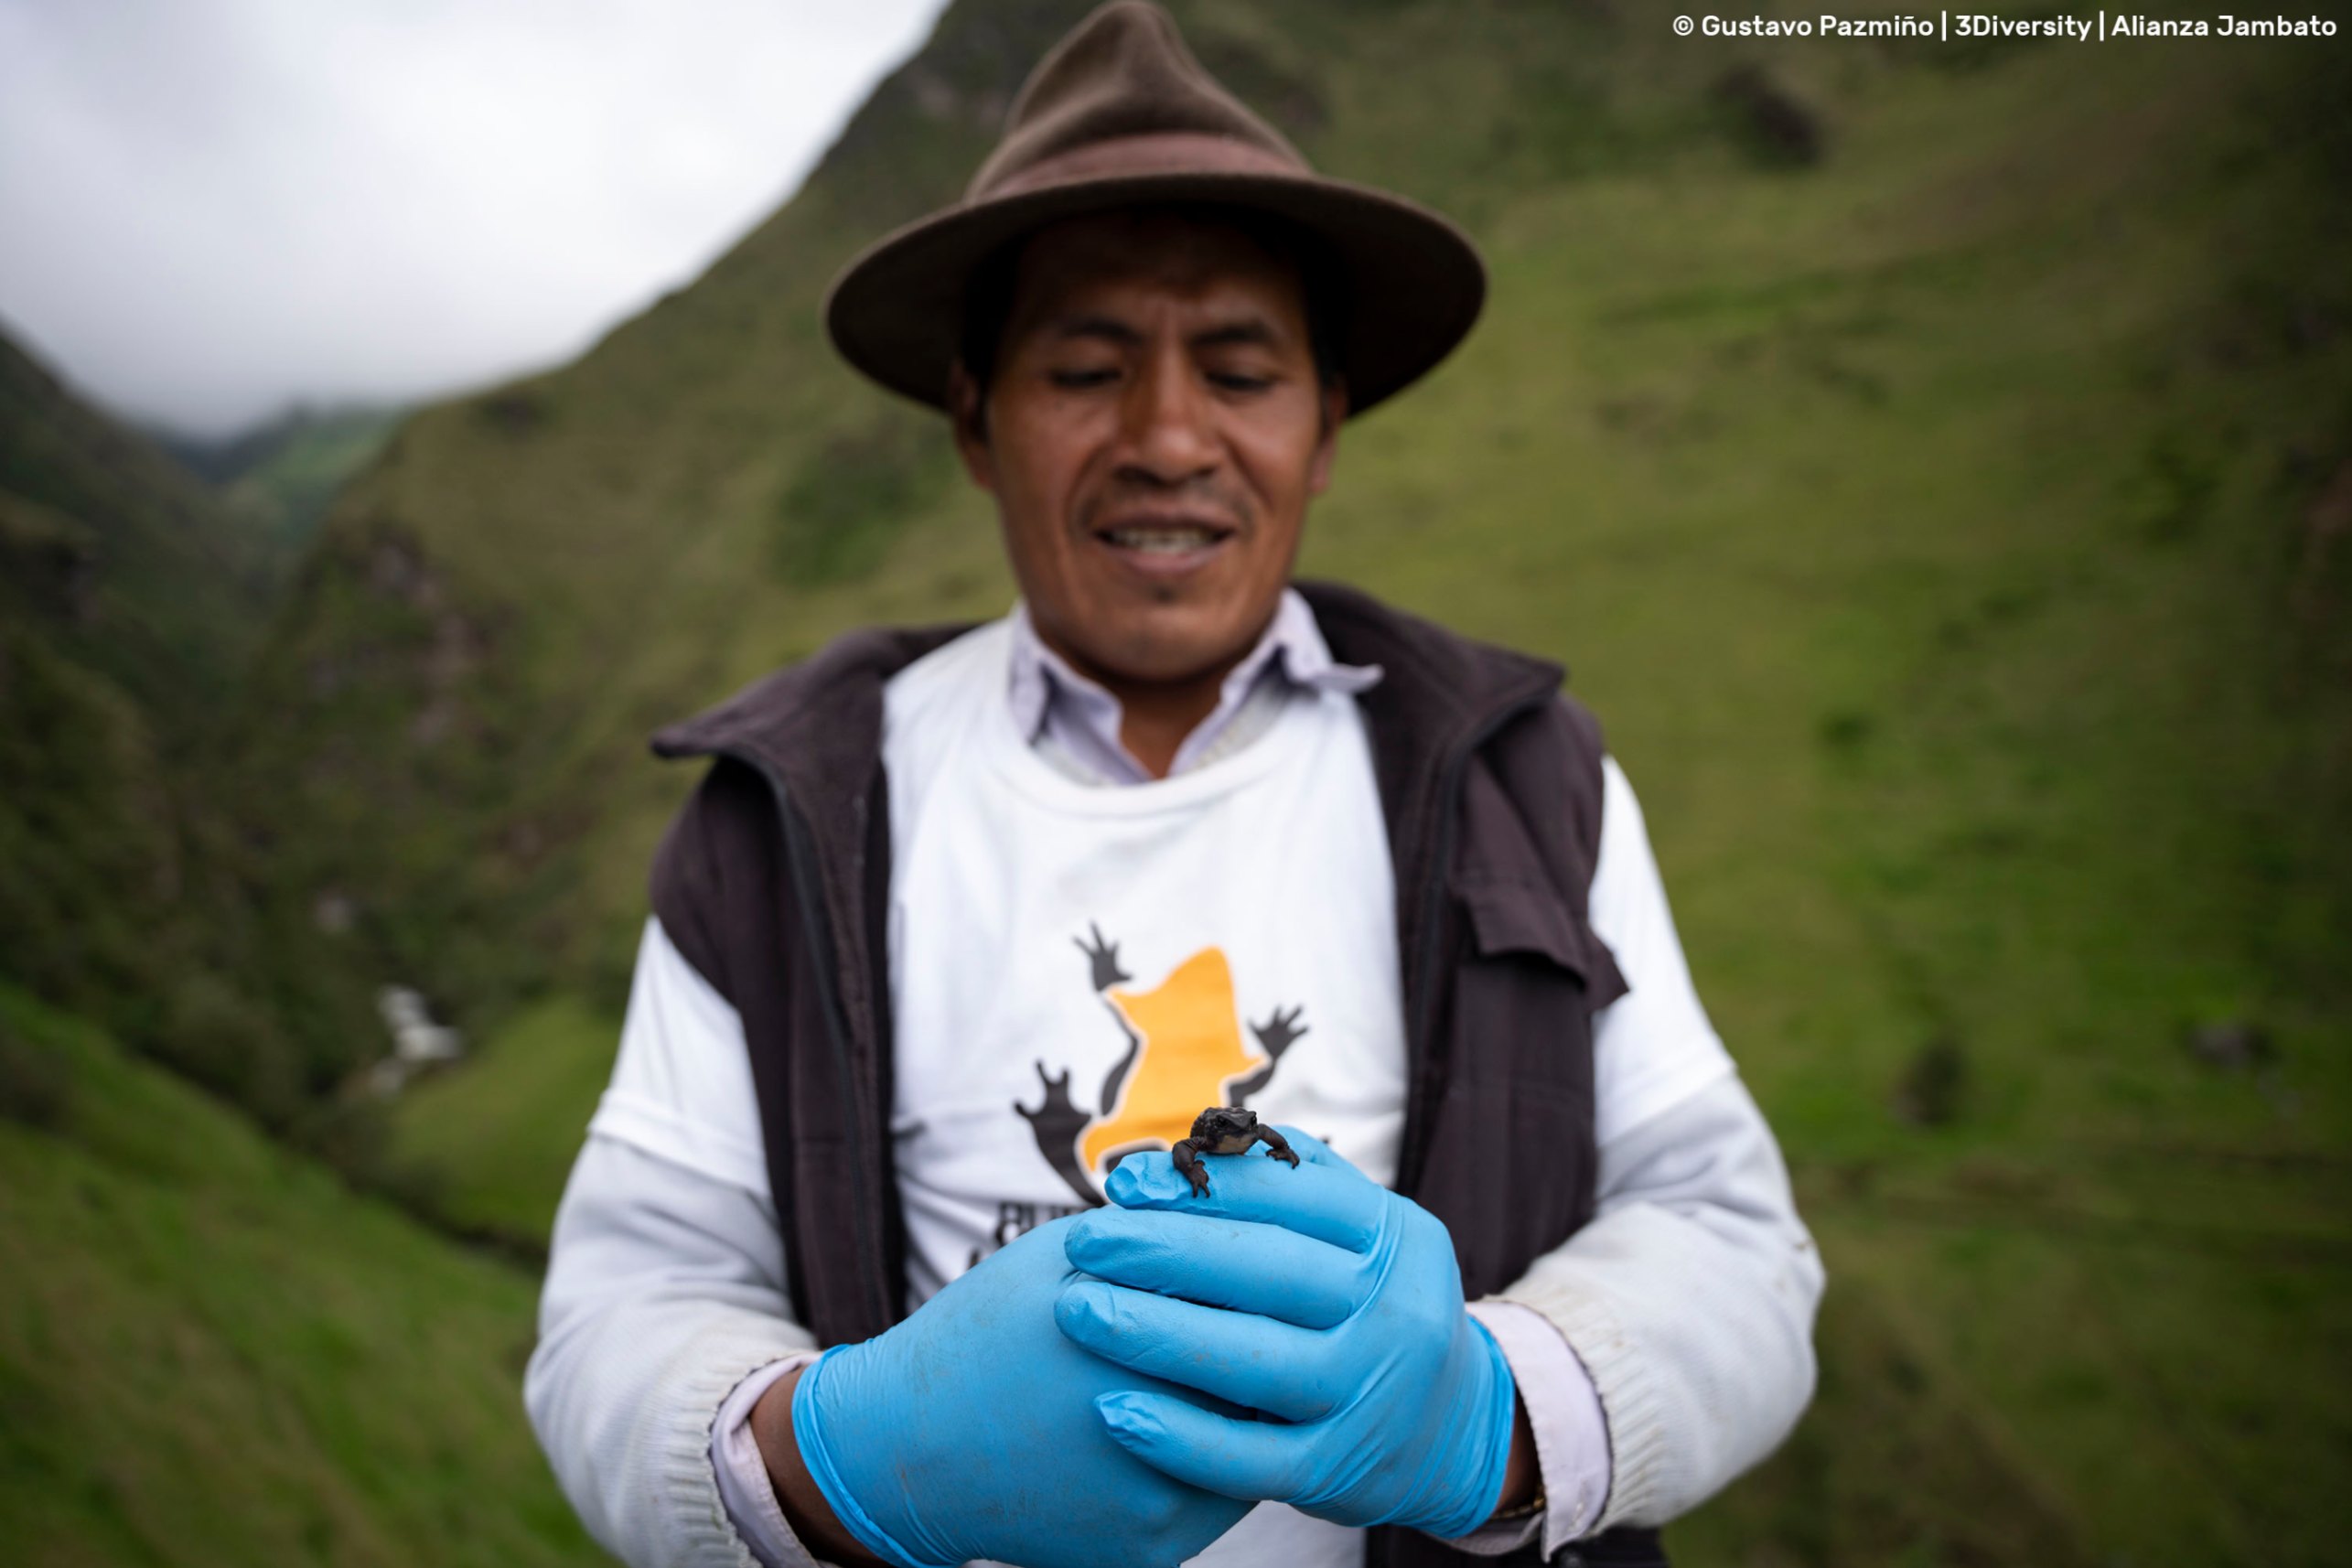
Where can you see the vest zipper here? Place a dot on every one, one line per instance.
(1420, 1043)
(799, 857)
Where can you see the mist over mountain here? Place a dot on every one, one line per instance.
(213, 210)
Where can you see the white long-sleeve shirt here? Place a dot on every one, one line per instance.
(1659, 1352)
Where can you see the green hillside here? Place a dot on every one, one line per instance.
(1948, 512)
(485, 1145)
(126, 558)
(212, 1353)
(130, 603)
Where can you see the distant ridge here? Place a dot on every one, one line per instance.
(282, 475)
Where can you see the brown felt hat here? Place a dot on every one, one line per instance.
(1120, 114)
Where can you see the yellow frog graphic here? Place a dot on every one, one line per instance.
(1185, 1050)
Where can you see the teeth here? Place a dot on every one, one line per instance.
(1162, 540)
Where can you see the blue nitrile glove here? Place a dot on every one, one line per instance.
(1315, 1295)
(970, 1430)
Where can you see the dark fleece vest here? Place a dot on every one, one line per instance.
(774, 883)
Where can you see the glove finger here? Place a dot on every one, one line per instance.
(1313, 1150)
(1238, 1357)
(1246, 1459)
(1264, 1268)
(1333, 1203)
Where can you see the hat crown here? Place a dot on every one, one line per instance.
(1120, 114)
(1122, 73)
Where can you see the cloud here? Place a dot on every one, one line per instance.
(209, 211)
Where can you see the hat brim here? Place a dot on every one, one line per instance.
(1415, 283)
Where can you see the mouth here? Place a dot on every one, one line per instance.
(1162, 545)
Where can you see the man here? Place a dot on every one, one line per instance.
(962, 928)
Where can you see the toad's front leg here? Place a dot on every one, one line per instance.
(1277, 1147)
(1187, 1161)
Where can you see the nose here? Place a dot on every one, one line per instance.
(1166, 417)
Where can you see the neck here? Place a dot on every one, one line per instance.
(1154, 715)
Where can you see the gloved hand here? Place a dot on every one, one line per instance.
(1315, 1295)
(970, 1430)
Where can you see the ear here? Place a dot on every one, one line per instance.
(968, 412)
(1326, 445)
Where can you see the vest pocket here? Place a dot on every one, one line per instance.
(1510, 917)
(1522, 993)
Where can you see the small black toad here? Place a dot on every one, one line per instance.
(1222, 1130)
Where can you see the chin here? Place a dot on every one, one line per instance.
(1174, 653)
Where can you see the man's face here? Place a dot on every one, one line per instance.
(1152, 435)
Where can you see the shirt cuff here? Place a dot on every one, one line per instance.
(1572, 1437)
(744, 1486)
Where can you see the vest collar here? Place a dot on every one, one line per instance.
(818, 724)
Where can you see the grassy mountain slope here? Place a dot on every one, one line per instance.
(130, 600)
(485, 1145)
(211, 1352)
(1954, 533)
(126, 558)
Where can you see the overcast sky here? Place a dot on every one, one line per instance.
(210, 209)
